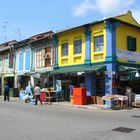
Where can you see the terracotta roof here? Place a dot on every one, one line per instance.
(41, 36)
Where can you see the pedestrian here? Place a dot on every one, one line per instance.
(39, 83)
(6, 92)
(37, 94)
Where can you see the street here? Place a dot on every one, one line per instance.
(21, 121)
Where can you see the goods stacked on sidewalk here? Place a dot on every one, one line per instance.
(136, 102)
(116, 101)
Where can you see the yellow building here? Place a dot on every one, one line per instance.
(95, 54)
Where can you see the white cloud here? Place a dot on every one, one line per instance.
(113, 6)
(83, 8)
(105, 7)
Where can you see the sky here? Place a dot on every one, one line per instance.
(20, 19)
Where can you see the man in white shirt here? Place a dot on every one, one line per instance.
(37, 94)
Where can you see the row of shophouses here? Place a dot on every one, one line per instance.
(100, 56)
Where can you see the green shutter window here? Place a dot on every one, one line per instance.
(131, 43)
(134, 44)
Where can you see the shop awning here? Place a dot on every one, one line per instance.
(126, 68)
(41, 71)
(79, 69)
(129, 73)
(33, 74)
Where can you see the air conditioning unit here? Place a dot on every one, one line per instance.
(46, 55)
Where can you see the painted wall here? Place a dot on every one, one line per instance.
(128, 17)
(69, 37)
(48, 62)
(4, 68)
(4, 64)
(23, 60)
(121, 37)
(97, 30)
(0, 63)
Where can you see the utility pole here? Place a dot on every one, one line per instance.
(5, 30)
(19, 33)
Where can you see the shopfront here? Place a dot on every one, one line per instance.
(129, 77)
(23, 81)
(90, 77)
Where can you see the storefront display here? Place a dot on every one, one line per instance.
(116, 100)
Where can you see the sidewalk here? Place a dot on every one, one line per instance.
(13, 99)
(89, 106)
(95, 107)
(92, 107)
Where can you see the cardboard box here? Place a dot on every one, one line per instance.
(93, 100)
(99, 100)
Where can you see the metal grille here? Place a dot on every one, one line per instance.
(123, 129)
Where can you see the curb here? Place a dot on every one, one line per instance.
(89, 108)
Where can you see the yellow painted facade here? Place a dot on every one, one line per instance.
(121, 38)
(97, 30)
(128, 27)
(127, 18)
(69, 37)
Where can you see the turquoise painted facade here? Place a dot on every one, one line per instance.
(42, 49)
(33, 59)
(23, 57)
(23, 63)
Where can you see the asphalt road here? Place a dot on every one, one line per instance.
(20, 121)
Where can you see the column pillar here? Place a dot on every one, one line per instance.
(111, 59)
(33, 59)
(111, 40)
(15, 69)
(54, 82)
(110, 81)
(15, 80)
(90, 83)
(2, 84)
(87, 46)
(55, 41)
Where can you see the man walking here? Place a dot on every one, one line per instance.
(6, 92)
(37, 94)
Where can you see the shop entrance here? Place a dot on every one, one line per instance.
(23, 82)
(10, 81)
(0, 87)
(70, 79)
(100, 84)
(128, 79)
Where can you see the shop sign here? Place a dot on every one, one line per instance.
(110, 72)
(88, 93)
(128, 55)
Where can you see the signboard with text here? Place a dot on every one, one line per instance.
(128, 55)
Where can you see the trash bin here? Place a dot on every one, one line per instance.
(13, 92)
